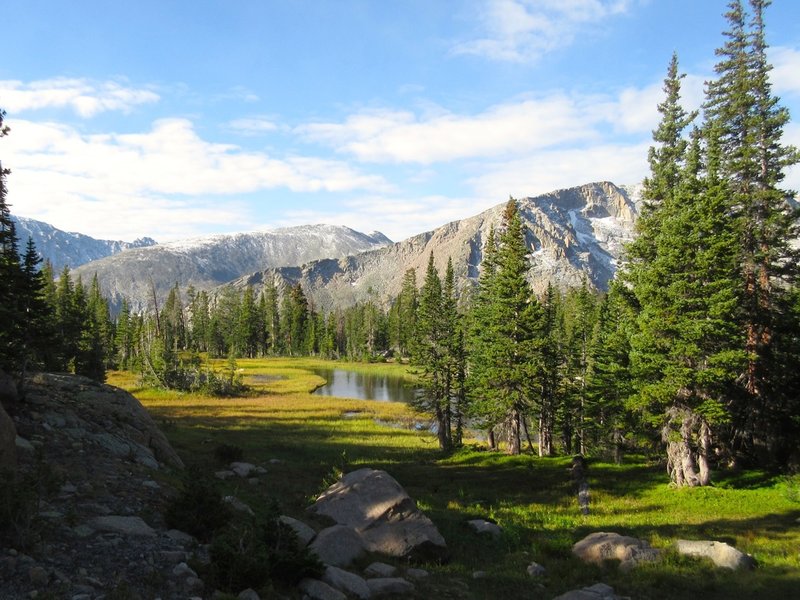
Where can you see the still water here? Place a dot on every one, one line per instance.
(349, 384)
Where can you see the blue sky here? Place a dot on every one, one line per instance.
(174, 118)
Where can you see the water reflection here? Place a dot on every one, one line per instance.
(349, 384)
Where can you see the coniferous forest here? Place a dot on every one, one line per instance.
(692, 352)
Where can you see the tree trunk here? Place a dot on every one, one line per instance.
(527, 433)
(703, 453)
(617, 441)
(514, 441)
(492, 441)
(677, 434)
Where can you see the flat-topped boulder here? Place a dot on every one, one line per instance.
(374, 504)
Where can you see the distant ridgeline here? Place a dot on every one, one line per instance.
(62, 248)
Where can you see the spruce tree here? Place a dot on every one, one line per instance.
(505, 357)
(749, 120)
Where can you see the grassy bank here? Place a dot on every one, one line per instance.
(531, 498)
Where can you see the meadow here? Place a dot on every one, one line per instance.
(306, 441)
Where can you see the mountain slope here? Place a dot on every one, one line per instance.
(207, 262)
(67, 248)
(573, 234)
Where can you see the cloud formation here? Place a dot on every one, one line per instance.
(525, 30)
(84, 97)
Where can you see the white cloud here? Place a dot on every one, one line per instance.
(400, 136)
(85, 97)
(156, 182)
(542, 172)
(252, 126)
(786, 70)
(525, 30)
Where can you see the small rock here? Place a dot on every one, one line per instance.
(536, 570)
(237, 504)
(303, 532)
(149, 483)
(417, 573)
(379, 569)
(275, 461)
(183, 570)
(344, 581)
(242, 469)
(598, 591)
(179, 536)
(485, 527)
(68, 489)
(83, 531)
(131, 526)
(479, 574)
(389, 586)
(24, 445)
(173, 556)
(315, 589)
(38, 576)
(248, 594)
(226, 474)
(194, 584)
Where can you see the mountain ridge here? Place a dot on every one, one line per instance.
(572, 234)
(69, 248)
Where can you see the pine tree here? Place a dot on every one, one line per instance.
(429, 354)
(750, 122)
(610, 381)
(554, 366)
(684, 352)
(505, 356)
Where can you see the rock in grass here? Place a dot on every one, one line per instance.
(598, 591)
(377, 507)
(721, 554)
(601, 546)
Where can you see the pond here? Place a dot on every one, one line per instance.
(362, 386)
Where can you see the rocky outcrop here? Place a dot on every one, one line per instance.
(721, 554)
(95, 415)
(602, 546)
(98, 526)
(373, 504)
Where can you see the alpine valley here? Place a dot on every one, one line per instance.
(573, 234)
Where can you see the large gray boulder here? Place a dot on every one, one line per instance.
(721, 554)
(380, 510)
(339, 546)
(601, 546)
(100, 415)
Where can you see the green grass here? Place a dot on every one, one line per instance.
(530, 497)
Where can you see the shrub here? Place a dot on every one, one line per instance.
(253, 552)
(198, 509)
(228, 453)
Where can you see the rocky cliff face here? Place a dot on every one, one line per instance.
(210, 261)
(63, 248)
(572, 234)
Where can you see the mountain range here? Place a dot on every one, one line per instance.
(573, 235)
(64, 248)
(207, 262)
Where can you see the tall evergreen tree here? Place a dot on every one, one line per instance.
(749, 120)
(505, 357)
